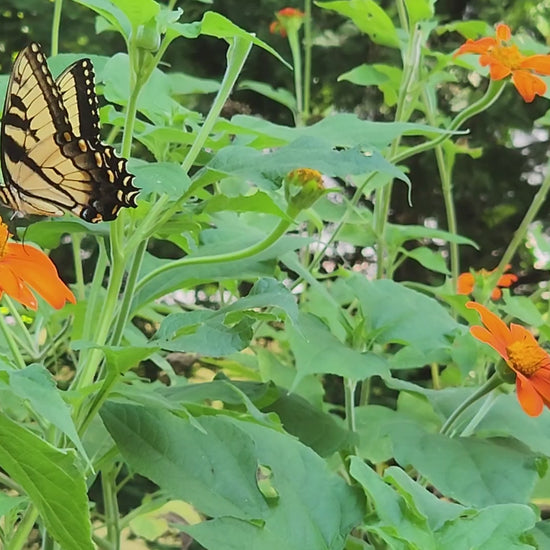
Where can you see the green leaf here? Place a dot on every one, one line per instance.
(138, 13)
(36, 385)
(219, 479)
(385, 77)
(212, 333)
(258, 202)
(493, 528)
(419, 10)
(214, 24)
(161, 177)
(477, 466)
(54, 485)
(394, 521)
(340, 130)
(369, 18)
(120, 358)
(308, 152)
(398, 314)
(428, 258)
(398, 234)
(317, 350)
(280, 95)
(115, 16)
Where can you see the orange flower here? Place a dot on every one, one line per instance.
(466, 281)
(518, 347)
(288, 19)
(23, 267)
(505, 59)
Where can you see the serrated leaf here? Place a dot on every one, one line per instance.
(52, 481)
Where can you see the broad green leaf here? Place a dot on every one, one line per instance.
(340, 130)
(9, 503)
(258, 202)
(541, 533)
(213, 469)
(395, 313)
(280, 95)
(506, 418)
(369, 18)
(115, 16)
(140, 12)
(48, 234)
(184, 84)
(317, 350)
(493, 528)
(222, 332)
(428, 258)
(52, 482)
(308, 152)
(162, 178)
(522, 308)
(394, 521)
(468, 470)
(215, 24)
(120, 358)
(398, 234)
(419, 10)
(219, 479)
(36, 385)
(385, 77)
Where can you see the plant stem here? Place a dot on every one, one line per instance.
(20, 538)
(493, 382)
(16, 354)
(252, 250)
(56, 23)
(76, 241)
(308, 45)
(108, 486)
(519, 234)
(297, 66)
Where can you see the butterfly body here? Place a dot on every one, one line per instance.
(52, 158)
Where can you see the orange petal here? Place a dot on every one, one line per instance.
(528, 85)
(465, 283)
(13, 286)
(503, 32)
(495, 325)
(541, 382)
(476, 46)
(538, 63)
(483, 335)
(507, 280)
(497, 70)
(37, 271)
(496, 294)
(529, 399)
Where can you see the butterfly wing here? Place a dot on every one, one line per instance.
(52, 159)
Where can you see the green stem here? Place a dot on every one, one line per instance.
(29, 341)
(349, 402)
(108, 486)
(520, 233)
(493, 382)
(405, 102)
(20, 538)
(6, 332)
(128, 295)
(308, 45)
(56, 23)
(274, 236)
(76, 241)
(493, 92)
(297, 65)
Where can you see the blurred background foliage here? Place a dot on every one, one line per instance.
(492, 192)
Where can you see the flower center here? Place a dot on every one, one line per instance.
(526, 357)
(509, 56)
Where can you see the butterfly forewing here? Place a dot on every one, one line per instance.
(52, 158)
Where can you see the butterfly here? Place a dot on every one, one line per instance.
(52, 158)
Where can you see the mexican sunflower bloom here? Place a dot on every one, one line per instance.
(23, 267)
(466, 282)
(504, 59)
(287, 19)
(518, 347)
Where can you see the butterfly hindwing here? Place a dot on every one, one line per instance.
(52, 158)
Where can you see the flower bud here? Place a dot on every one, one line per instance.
(303, 187)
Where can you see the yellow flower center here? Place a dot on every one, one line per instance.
(509, 56)
(526, 357)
